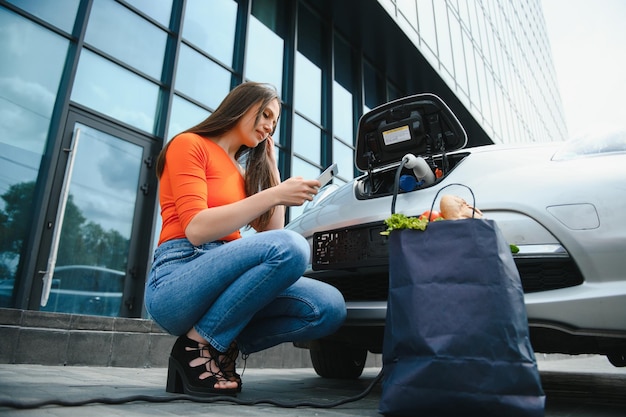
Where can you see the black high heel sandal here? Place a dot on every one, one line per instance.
(182, 378)
(228, 362)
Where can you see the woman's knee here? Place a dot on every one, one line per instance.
(328, 301)
(334, 305)
(292, 245)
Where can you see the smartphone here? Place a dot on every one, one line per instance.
(327, 175)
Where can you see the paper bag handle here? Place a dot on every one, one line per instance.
(432, 206)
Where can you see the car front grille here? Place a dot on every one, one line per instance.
(355, 261)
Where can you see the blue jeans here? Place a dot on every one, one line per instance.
(249, 290)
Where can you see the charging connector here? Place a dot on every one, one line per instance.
(420, 168)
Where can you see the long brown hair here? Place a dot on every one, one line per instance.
(230, 111)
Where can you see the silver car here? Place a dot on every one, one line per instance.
(562, 204)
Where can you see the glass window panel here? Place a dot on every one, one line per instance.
(342, 113)
(480, 73)
(184, 115)
(471, 68)
(112, 90)
(493, 99)
(426, 18)
(308, 88)
(310, 41)
(308, 66)
(264, 55)
(200, 78)
(306, 139)
(123, 34)
(464, 12)
(486, 96)
(105, 180)
(460, 74)
(343, 92)
(160, 10)
(374, 88)
(343, 156)
(276, 136)
(95, 233)
(60, 13)
(475, 21)
(408, 10)
(485, 35)
(444, 51)
(210, 25)
(27, 96)
(344, 65)
(392, 92)
(280, 158)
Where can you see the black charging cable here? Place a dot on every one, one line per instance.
(396, 185)
(170, 398)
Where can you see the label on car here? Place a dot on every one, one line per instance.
(397, 135)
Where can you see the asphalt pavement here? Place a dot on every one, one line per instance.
(575, 386)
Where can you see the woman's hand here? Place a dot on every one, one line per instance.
(269, 149)
(295, 191)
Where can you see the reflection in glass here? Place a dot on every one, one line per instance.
(210, 25)
(264, 55)
(200, 78)
(160, 10)
(27, 96)
(125, 35)
(61, 13)
(184, 115)
(306, 139)
(112, 90)
(95, 235)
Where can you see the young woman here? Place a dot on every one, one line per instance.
(219, 292)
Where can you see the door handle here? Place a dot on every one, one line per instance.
(56, 233)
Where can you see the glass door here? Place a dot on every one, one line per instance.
(99, 235)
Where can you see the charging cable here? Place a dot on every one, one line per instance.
(421, 170)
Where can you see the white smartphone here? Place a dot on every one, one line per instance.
(327, 175)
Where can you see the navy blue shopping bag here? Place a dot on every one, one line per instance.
(456, 337)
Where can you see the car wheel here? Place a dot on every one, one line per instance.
(332, 360)
(617, 359)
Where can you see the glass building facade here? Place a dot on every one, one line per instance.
(91, 90)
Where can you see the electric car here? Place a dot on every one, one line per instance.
(563, 205)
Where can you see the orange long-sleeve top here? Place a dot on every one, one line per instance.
(198, 174)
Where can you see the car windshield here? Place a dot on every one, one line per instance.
(614, 142)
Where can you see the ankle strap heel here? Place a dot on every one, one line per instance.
(183, 378)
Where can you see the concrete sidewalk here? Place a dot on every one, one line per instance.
(575, 386)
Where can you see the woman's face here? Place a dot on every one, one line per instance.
(253, 132)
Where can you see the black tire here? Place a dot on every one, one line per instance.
(336, 361)
(617, 359)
